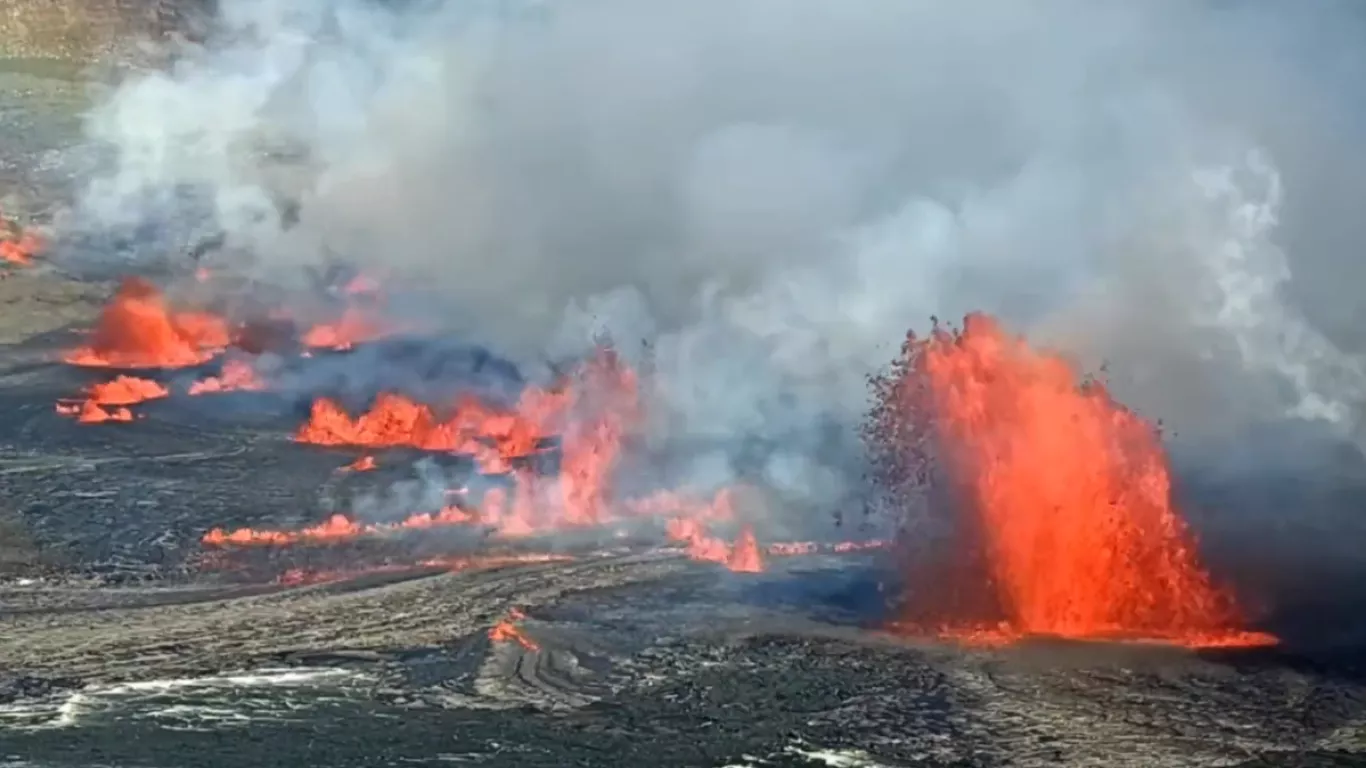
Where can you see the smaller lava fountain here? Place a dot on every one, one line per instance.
(18, 246)
(109, 400)
(1056, 498)
(137, 329)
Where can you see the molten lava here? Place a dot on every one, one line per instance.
(106, 401)
(688, 526)
(90, 412)
(17, 246)
(745, 556)
(137, 330)
(507, 631)
(355, 326)
(590, 411)
(126, 390)
(20, 250)
(1060, 498)
(363, 464)
(236, 376)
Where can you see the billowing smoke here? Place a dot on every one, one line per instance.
(771, 192)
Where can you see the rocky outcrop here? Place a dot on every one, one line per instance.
(94, 30)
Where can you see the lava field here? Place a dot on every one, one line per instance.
(208, 512)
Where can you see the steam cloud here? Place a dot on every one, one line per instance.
(772, 191)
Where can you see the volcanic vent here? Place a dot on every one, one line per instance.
(1047, 506)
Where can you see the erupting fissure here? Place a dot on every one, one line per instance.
(1054, 500)
(589, 413)
(137, 329)
(18, 246)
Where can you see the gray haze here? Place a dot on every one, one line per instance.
(773, 191)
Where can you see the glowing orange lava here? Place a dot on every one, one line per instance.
(688, 526)
(591, 411)
(126, 390)
(363, 464)
(90, 412)
(17, 245)
(137, 330)
(1062, 498)
(355, 326)
(105, 401)
(506, 631)
(236, 376)
(20, 250)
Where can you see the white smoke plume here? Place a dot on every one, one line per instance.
(772, 192)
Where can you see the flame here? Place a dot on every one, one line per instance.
(506, 631)
(1062, 493)
(137, 330)
(236, 376)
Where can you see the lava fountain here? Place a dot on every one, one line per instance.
(1057, 500)
(138, 330)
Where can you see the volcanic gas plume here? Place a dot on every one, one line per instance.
(1058, 499)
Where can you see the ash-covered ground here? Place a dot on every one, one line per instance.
(124, 643)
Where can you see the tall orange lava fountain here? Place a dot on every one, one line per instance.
(1061, 497)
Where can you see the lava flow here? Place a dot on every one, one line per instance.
(355, 326)
(137, 330)
(1060, 499)
(17, 246)
(90, 412)
(120, 392)
(363, 464)
(743, 556)
(126, 390)
(591, 411)
(236, 376)
(507, 631)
